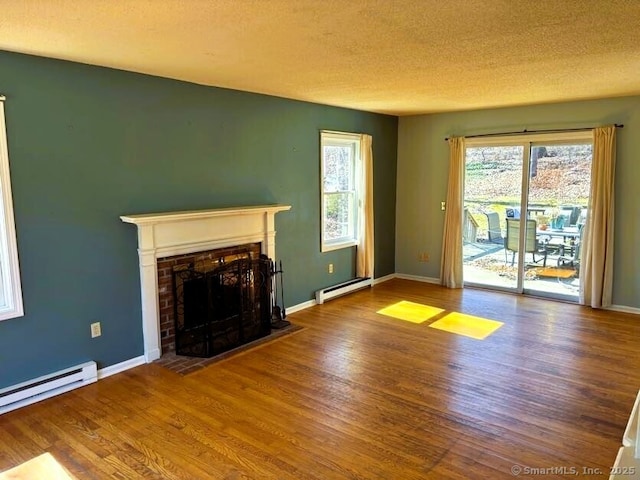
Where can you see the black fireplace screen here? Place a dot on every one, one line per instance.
(221, 308)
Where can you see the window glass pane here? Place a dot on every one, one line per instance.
(339, 214)
(492, 194)
(561, 179)
(338, 168)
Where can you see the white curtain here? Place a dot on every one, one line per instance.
(364, 251)
(451, 267)
(596, 264)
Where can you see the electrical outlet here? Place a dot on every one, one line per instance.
(96, 330)
(331, 268)
(423, 257)
(443, 205)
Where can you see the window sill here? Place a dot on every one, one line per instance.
(9, 313)
(328, 247)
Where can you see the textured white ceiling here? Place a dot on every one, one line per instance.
(392, 56)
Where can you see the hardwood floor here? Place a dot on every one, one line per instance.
(359, 395)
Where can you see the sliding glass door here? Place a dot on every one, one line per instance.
(525, 202)
(493, 180)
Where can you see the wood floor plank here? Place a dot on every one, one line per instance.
(359, 395)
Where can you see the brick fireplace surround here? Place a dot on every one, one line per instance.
(171, 234)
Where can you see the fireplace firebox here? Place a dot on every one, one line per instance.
(221, 306)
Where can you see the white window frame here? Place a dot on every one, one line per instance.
(342, 139)
(10, 284)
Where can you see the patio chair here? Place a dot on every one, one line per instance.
(571, 213)
(494, 231)
(573, 249)
(532, 245)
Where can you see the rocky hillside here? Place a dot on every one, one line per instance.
(560, 175)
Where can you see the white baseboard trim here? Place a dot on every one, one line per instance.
(121, 367)
(152, 355)
(418, 278)
(386, 278)
(625, 309)
(300, 306)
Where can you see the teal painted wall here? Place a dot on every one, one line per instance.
(89, 144)
(423, 173)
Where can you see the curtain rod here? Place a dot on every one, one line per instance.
(555, 130)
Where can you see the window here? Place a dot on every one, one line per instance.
(10, 288)
(341, 182)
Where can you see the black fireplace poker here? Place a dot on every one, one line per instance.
(278, 315)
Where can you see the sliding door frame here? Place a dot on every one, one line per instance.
(527, 142)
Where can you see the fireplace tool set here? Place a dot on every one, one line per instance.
(278, 314)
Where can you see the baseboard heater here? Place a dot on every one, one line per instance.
(47, 386)
(342, 289)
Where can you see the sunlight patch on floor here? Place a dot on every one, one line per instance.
(44, 466)
(411, 312)
(467, 325)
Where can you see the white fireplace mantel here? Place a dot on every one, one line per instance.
(177, 233)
